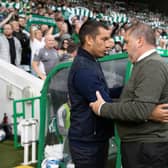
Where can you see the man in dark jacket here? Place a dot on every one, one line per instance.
(88, 133)
(143, 130)
(25, 43)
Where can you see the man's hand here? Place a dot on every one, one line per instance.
(97, 104)
(160, 113)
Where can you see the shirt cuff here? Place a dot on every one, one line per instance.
(99, 109)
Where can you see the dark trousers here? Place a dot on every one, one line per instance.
(144, 155)
(89, 155)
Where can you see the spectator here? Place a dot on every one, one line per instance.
(62, 30)
(48, 55)
(71, 52)
(10, 47)
(63, 48)
(36, 43)
(44, 29)
(75, 35)
(25, 43)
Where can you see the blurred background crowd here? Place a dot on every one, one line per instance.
(29, 26)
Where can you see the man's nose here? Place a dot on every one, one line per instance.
(107, 45)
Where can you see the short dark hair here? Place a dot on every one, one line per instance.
(144, 30)
(59, 19)
(90, 27)
(72, 47)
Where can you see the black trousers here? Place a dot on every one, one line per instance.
(89, 155)
(144, 155)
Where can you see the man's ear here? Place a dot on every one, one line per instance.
(140, 42)
(89, 40)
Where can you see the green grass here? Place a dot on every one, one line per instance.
(9, 156)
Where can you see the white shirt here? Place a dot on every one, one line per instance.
(36, 45)
(146, 54)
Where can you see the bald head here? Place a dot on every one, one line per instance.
(49, 41)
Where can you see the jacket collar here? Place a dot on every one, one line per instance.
(84, 53)
(146, 58)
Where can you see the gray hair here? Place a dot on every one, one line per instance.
(141, 29)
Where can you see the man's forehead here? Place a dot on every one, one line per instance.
(7, 26)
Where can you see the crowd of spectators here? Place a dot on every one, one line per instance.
(25, 24)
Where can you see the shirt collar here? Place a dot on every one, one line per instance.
(146, 54)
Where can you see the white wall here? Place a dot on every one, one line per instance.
(13, 82)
